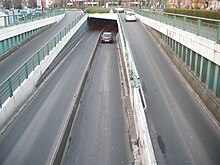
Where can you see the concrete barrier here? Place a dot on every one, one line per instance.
(27, 87)
(205, 47)
(63, 143)
(140, 138)
(144, 142)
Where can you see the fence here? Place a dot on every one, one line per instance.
(15, 18)
(208, 28)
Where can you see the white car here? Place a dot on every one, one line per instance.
(130, 16)
(119, 9)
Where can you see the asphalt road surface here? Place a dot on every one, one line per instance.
(33, 136)
(100, 132)
(180, 129)
(13, 62)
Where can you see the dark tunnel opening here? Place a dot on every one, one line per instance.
(106, 24)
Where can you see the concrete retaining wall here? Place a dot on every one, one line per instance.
(22, 28)
(205, 47)
(28, 86)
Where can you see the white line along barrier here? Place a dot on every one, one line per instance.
(144, 141)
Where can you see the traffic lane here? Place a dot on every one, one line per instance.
(13, 62)
(100, 132)
(32, 137)
(180, 129)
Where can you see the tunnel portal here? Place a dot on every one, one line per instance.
(106, 24)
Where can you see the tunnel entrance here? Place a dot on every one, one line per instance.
(106, 24)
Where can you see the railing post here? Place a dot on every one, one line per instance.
(47, 48)
(0, 102)
(5, 21)
(174, 21)
(10, 88)
(14, 19)
(19, 79)
(166, 18)
(198, 26)
(33, 65)
(184, 23)
(26, 70)
(8, 20)
(0, 98)
(218, 34)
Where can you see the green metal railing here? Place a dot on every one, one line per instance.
(208, 28)
(14, 81)
(132, 68)
(14, 19)
(129, 56)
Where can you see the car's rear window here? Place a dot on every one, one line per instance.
(130, 14)
(107, 35)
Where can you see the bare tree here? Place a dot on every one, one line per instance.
(17, 4)
(32, 3)
(7, 4)
(59, 3)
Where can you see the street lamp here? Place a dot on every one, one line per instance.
(42, 5)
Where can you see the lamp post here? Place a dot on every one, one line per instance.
(42, 5)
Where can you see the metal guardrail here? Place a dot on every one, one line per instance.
(132, 67)
(208, 28)
(138, 105)
(129, 55)
(15, 19)
(8, 86)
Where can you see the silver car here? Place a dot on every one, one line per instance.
(130, 16)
